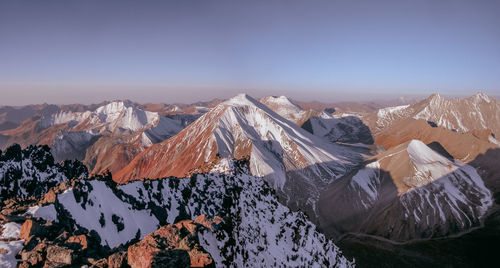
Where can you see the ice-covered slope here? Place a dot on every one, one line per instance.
(257, 230)
(347, 128)
(410, 191)
(293, 160)
(32, 171)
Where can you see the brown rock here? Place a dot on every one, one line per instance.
(49, 264)
(58, 254)
(80, 241)
(28, 229)
(173, 245)
(207, 222)
(49, 197)
(102, 263)
(32, 257)
(118, 260)
(3, 251)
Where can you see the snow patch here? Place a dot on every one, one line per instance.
(47, 213)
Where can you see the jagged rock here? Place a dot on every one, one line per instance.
(171, 258)
(28, 229)
(58, 254)
(49, 197)
(53, 265)
(101, 263)
(33, 257)
(24, 265)
(207, 222)
(11, 218)
(118, 260)
(80, 241)
(175, 244)
(31, 172)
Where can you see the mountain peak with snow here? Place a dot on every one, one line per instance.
(241, 99)
(283, 101)
(480, 96)
(278, 150)
(283, 106)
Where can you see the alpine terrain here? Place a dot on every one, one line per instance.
(246, 182)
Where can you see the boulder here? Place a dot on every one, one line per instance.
(49, 197)
(58, 254)
(174, 245)
(30, 228)
(33, 257)
(79, 242)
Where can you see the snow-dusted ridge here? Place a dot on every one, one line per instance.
(116, 116)
(257, 229)
(409, 192)
(32, 171)
(348, 128)
(295, 162)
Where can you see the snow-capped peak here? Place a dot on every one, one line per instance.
(429, 162)
(435, 100)
(241, 99)
(422, 154)
(114, 107)
(283, 101)
(480, 96)
(117, 114)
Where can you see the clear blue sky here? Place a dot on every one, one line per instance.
(166, 51)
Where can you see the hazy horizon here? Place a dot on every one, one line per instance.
(311, 98)
(186, 51)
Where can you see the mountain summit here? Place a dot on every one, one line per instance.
(294, 161)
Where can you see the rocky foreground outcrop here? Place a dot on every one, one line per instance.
(174, 245)
(206, 220)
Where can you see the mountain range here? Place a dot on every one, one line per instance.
(252, 182)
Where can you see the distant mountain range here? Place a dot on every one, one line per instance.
(252, 182)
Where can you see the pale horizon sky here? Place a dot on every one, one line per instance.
(66, 51)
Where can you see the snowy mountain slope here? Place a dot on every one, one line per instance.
(476, 112)
(119, 128)
(287, 109)
(32, 171)
(408, 192)
(280, 151)
(347, 128)
(257, 230)
(116, 116)
(385, 116)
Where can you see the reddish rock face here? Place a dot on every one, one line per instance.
(80, 240)
(177, 156)
(177, 244)
(28, 229)
(49, 197)
(207, 222)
